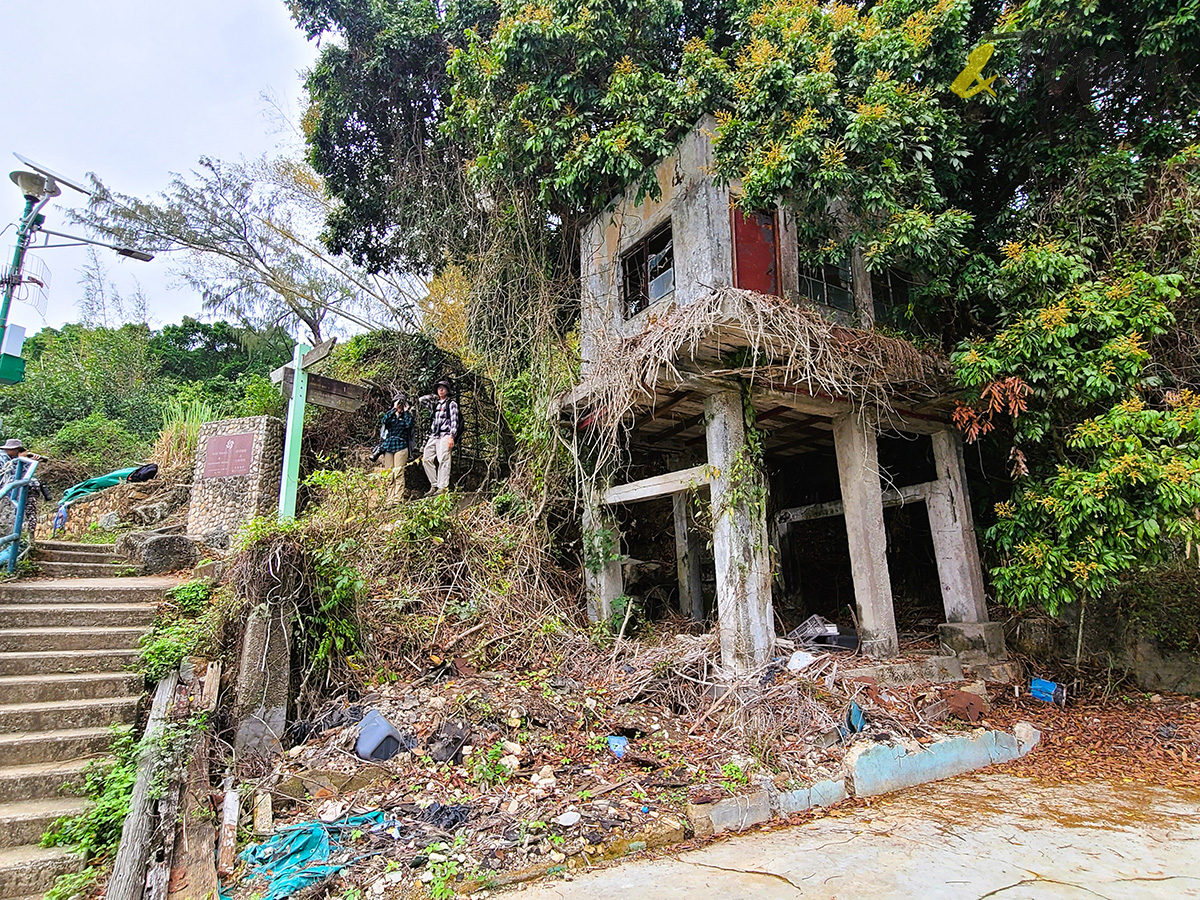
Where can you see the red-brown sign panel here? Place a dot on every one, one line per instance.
(226, 455)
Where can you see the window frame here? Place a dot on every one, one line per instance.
(640, 255)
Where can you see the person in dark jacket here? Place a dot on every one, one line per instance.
(397, 432)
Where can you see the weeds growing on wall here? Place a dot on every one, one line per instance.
(186, 624)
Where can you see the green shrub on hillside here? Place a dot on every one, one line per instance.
(98, 443)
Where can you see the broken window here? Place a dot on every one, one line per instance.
(833, 285)
(648, 271)
(889, 292)
(829, 285)
(755, 252)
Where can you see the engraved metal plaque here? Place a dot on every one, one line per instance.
(226, 455)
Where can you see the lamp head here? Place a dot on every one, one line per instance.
(34, 185)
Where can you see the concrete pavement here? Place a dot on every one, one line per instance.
(979, 836)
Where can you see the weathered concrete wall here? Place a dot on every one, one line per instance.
(223, 503)
(869, 769)
(1109, 641)
(698, 211)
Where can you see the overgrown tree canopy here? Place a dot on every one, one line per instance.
(1050, 222)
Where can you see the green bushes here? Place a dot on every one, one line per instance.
(184, 627)
(98, 443)
(99, 396)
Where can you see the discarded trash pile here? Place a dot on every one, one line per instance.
(462, 779)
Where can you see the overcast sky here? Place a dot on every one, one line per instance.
(134, 91)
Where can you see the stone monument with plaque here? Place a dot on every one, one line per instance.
(238, 467)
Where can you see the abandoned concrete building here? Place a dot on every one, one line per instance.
(702, 333)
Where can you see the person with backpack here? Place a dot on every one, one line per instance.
(445, 427)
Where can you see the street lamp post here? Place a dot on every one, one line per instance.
(39, 188)
(14, 273)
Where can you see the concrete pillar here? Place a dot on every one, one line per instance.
(745, 619)
(862, 498)
(860, 283)
(264, 681)
(603, 579)
(687, 559)
(953, 527)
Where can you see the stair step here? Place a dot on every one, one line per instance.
(87, 590)
(16, 718)
(42, 662)
(70, 545)
(78, 638)
(25, 821)
(50, 746)
(79, 569)
(30, 870)
(41, 615)
(69, 686)
(38, 781)
(101, 556)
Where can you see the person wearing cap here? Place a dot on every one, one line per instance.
(440, 443)
(13, 448)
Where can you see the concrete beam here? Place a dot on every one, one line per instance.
(862, 497)
(603, 579)
(688, 547)
(745, 619)
(891, 497)
(953, 527)
(657, 486)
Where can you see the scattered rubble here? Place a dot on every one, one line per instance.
(502, 776)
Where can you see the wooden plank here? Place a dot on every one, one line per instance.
(891, 497)
(128, 879)
(317, 353)
(194, 866)
(328, 392)
(657, 486)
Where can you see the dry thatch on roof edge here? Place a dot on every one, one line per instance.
(771, 339)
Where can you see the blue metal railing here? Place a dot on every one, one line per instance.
(10, 545)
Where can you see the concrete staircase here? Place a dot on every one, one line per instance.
(65, 647)
(59, 559)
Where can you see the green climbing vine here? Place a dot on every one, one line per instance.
(600, 546)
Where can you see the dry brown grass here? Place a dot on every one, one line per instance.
(783, 343)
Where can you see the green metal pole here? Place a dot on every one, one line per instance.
(18, 262)
(292, 437)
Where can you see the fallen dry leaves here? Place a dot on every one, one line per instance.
(1153, 739)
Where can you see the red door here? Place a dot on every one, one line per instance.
(755, 252)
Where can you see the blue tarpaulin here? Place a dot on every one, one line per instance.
(297, 857)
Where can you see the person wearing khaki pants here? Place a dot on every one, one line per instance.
(393, 449)
(440, 443)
